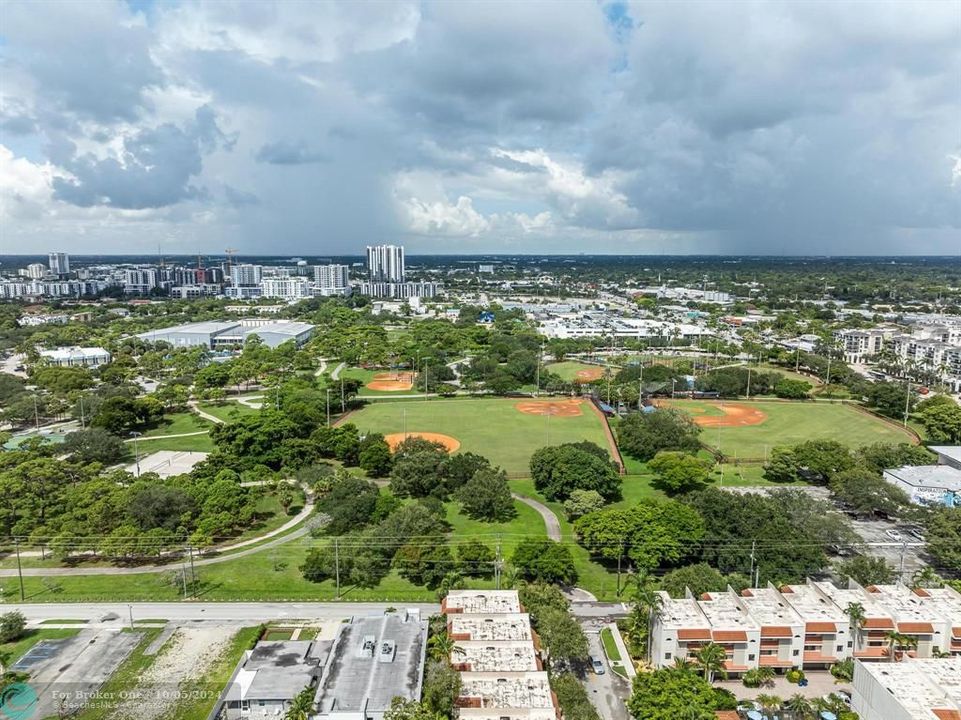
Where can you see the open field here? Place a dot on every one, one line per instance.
(748, 430)
(188, 443)
(229, 410)
(177, 423)
(493, 428)
(573, 370)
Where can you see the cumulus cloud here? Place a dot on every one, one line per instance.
(443, 218)
(720, 127)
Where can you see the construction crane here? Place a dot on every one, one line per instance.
(230, 254)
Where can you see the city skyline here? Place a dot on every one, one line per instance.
(616, 128)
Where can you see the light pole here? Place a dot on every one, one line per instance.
(328, 407)
(907, 403)
(136, 449)
(426, 391)
(673, 385)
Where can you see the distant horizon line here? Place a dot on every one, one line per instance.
(484, 255)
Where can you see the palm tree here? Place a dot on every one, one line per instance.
(799, 707)
(442, 646)
(647, 605)
(898, 641)
(301, 706)
(711, 658)
(770, 703)
(856, 617)
(683, 664)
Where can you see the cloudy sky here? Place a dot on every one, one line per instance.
(458, 127)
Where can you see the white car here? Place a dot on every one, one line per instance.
(596, 665)
(893, 534)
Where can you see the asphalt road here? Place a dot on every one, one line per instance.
(118, 614)
(608, 692)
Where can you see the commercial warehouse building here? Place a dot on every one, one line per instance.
(221, 335)
(76, 356)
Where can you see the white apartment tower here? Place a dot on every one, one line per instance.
(36, 271)
(385, 263)
(245, 275)
(59, 263)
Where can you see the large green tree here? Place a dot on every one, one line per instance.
(559, 470)
(487, 496)
(672, 693)
(643, 435)
(677, 472)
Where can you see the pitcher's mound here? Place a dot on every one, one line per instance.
(392, 382)
(395, 439)
(589, 374)
(557, 408)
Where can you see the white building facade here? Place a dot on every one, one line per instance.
(385, 263)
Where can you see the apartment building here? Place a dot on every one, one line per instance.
(59, 263)
(497, 656)
(246, 275)
(288, 288)
(385, 263)
(400, 290)
(807, 625)
(911, 690)
(859, 345)
(331, 280)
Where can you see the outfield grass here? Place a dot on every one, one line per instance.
(190, 443)
(569, 368)
(527, 523)
(790, 374)
(790, 423)
(493, 428)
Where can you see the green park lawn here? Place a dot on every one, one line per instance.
(790, 423)
(179, 423)
(229, 410)
(190, 443)
(273, 574)
(568, 369)
(493, 428)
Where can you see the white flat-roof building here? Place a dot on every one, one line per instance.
(927, 689)
(76, 356)
(927, 484)
(949, 455)
(481, 602)
(233, 333)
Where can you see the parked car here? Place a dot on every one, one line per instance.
(596, 665)
(893, 534)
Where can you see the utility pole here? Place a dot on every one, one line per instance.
(136, 450)
(904, 546)
(497, 565)
(640, 389)
(753, 546)
(337, 565)
(19, 569)
(193, 574)
(748, 382)
(426, 391)
(907, 403)
(130, 610)
(328, 407)
(342, 404)
(36, 412)
(82, 423)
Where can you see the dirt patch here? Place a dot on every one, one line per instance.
(186, 656)
(557, 408)
(392, 382)
(735, 415)
(589, 374)
(395, 439)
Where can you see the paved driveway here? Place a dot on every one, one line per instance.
(65, 673)
(608, 692)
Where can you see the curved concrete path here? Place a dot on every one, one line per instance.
(299, 532)
(551, 522)
(195, 407)
(335, 374)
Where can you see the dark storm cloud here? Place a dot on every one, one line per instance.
(769, 127)
(153, 171)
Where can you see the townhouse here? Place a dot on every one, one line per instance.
(497, 655)
(808, 625)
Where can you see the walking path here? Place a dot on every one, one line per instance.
(205, 415)
(322, 369)
(298, 532)
(335, 375)
(550, 519)
(251, 401)
(147, 438)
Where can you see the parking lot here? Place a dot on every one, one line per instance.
(908, 548)
(65, 673)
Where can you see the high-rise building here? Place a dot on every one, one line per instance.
(385, 263)
(287, 288)
(332, 279)
(245, 275)
(36, 271)
(140, 281)
(59, 263)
